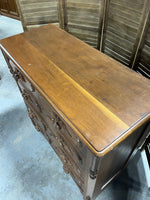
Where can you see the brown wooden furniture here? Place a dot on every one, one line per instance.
(93, 110)
(9, 8)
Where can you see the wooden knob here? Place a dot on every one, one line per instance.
(52, 120)
(79, 158)
(58, 126)
(60, 144)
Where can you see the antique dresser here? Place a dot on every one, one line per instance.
(93, 111)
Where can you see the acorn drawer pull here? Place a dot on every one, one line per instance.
(52, 120)
(79, 158)
(58, 126)
(58, 123)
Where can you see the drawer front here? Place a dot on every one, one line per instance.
(64, 141)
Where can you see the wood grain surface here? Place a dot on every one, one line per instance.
(99, 97)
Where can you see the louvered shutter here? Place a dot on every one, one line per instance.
(35, 13)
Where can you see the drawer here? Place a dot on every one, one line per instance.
(77, 180)
(36, 119)
(73, 146)
(70, 166)
(59, 124)
(40, 125)
(70, 156)
(73, 152)
(30, 99)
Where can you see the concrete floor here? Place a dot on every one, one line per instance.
(29, 168)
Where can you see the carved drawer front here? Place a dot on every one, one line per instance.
(67, 146)
(57, 125)
(30, 99)
(36, 119)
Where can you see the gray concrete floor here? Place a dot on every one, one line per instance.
(29, 168)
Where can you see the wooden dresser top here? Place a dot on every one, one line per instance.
(101, 99)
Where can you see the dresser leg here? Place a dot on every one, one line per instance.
(87, 198)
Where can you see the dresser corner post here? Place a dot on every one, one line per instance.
(94, 163)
